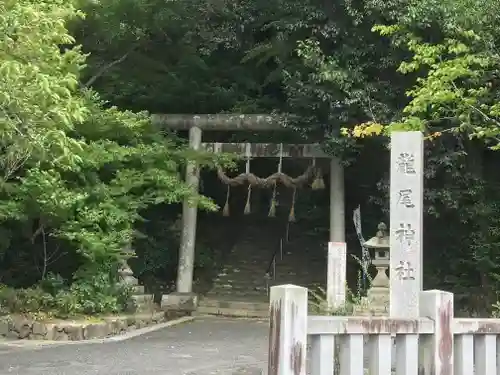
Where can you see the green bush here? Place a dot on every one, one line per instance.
(93, 296)
(25, 300)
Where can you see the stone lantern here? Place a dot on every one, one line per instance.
(378, 294)
(138, 300)
(127, 275)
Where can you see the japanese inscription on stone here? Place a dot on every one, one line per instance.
(406, 198)
(404, 271)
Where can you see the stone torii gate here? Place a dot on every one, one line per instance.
(196, 124)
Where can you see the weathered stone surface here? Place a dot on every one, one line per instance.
(406, 230)
(130, 320)
(73, 330)
(13, 335)
(267, 150)
(96, 330)
(117, 325)
(4, 327)
(141, 303)
(51, 331)
(39, 328)
(138, 289)
(141, 323)
(179, 301)
(158, 317)
(38, 337)
(124, 327)
(22, 326)
(60, 334)
(230, 121)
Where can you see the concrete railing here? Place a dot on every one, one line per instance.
(434, 344)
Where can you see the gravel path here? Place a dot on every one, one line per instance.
(206, 346)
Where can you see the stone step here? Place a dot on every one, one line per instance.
(236, 270)
(239, 292)
(241, 287)
(263, 289)
(264, 282)
(256, 278)
(241, 259)
(251, 255)
(301, 276)
(295, 280)
(241, 281)
(138, 289)
(292, 279)
(142, 303)
(143, 298)
(234, 304)
(261, 261)
(253, 275)
(299, 262)
(237, 297)
(205, 310)
(231, 294)
(303, 269)
(302, 264)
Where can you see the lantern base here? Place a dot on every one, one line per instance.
(379, 294)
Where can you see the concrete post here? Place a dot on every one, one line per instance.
(287, 330)
(436, 351)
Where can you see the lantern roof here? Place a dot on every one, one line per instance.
(381, 239)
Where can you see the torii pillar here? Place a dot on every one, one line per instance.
(189, 219)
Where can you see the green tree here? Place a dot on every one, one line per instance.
(453, 98)
(76, 173)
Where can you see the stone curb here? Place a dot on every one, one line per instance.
(38, 344)
(146, 330)
(231, 317)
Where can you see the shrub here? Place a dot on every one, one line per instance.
(93, 296)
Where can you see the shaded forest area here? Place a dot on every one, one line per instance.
(86, 179)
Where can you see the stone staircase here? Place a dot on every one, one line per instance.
(241, 288)
(303, 263)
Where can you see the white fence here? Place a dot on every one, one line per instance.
(434, 344)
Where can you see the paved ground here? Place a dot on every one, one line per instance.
(206, 346)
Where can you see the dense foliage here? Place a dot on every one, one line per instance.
(81, 178)
(76, 173)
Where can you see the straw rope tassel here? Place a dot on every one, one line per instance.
(318, 183)
(272, 209)
(225, 211)
(247, 210)
(291, 216)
